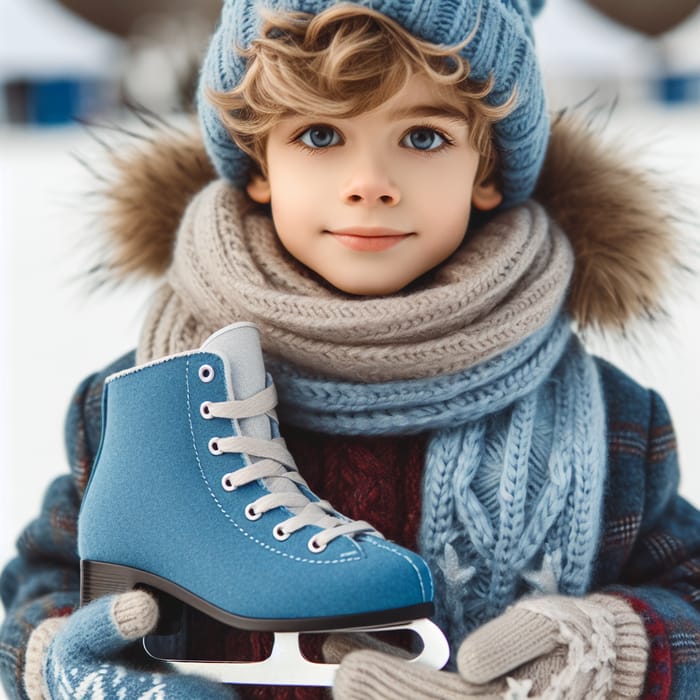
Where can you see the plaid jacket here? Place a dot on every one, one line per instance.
(649, 551)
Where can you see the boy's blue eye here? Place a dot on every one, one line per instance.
(423, 139)
(320, 137)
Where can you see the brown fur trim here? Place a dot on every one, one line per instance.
(625, 236)
(155, 174)
(626, 241)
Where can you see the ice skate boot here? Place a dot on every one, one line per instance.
(194, 496)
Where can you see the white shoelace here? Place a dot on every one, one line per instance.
(274, 461)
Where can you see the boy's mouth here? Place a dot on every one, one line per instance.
(369, 238)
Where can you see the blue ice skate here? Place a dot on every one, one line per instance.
(195, 495)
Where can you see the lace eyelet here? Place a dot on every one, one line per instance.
(206, 373)
(280, 534)
(251, 513)
(315, 546)
(214, 446)
(227, 484)
(205, 411)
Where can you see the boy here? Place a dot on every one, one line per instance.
(429, 381)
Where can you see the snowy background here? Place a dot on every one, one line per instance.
(54, 332)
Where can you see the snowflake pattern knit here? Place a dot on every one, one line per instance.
(78, 657)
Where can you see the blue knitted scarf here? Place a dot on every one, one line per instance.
(514, 471)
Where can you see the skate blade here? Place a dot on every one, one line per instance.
(286, 665)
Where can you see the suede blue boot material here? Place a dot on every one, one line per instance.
(162, 499)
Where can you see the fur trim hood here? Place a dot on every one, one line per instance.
(625, 234)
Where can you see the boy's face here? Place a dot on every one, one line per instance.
(372, 202)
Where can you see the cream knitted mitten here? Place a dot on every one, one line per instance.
(548, 648)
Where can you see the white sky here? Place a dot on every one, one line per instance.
(40, 37)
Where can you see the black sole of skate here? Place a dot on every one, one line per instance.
(99, 578)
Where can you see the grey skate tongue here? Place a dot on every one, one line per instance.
(238, 346)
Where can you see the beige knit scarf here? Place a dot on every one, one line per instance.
(505, 282)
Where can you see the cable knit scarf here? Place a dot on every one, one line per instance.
(513, 480)
(478, 354)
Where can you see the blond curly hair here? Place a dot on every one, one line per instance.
(340, 63)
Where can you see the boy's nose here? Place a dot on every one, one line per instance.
(370, 185)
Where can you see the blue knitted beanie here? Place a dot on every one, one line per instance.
(502, 46)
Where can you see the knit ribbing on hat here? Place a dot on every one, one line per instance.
(502, 47)
(503, 284)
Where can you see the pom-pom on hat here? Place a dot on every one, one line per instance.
(502, 46)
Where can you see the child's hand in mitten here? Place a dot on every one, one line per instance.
(372, 670)
(569, 648)
(549, 647)
(78, 656)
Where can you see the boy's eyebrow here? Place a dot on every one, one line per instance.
(430, 110)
